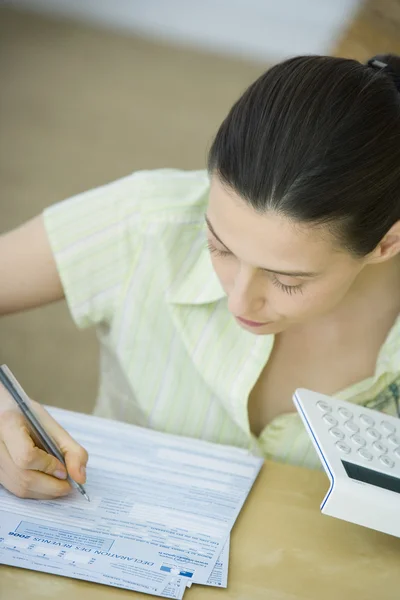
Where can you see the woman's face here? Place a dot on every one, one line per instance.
(275, 273)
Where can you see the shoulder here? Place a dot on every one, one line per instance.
(150, 195)
(139, 203)
(170, 195)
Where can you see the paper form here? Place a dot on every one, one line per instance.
(219, 574)
(161, 510)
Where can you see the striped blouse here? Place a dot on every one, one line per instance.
(134, 263)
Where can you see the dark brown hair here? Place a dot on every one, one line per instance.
(317, 139)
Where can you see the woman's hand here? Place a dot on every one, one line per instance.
(26, 470)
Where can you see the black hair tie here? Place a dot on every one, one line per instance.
(379, 64)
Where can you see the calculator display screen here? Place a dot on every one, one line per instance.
(382, 480)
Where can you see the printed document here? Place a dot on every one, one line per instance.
(161, 511)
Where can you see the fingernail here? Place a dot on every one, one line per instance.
(83, 471)
(60, 474)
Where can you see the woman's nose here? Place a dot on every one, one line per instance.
(245, 298)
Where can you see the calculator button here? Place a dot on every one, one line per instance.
(373, 433)
(367, 420)
(357, 439)
(335, 431)
(388, 462)
(388, 427)
(396, 452)
(380, 447)
(344, 412)
(394, 439)
(343, 447)
(351, 426)
(330, 420)
(324, 406)
(365, 454)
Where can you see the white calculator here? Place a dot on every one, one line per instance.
(360, 452)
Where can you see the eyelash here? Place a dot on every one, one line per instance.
(217, 251)
(288, 289)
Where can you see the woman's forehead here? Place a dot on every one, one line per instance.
(268, 237)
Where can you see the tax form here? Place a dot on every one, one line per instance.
(161, 511)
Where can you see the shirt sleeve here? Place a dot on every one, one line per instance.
(94, 238)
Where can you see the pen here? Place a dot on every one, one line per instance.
(20, 397)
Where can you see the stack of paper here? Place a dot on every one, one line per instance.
(161, 511)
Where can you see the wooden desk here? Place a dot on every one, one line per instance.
(282, 549)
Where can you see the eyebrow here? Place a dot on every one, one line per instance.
(287, 273)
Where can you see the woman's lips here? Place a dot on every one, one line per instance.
(252, 323)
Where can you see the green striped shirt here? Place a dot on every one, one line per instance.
(134, 263)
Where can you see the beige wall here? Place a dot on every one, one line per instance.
(78, 108)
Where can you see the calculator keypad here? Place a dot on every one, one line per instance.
(381, 448)
(345, 413)
(337, 433)
(362, 437)
(367, 420)
(388, 462)
(330, 420)
(373, 433)
(388, 427)
(352, 427)
(343, 447)
(358, 440)
(365, 454)
(394, 439)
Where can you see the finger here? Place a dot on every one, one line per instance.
(74, 454)
(21, 448)
(38, 486)
(27, 483)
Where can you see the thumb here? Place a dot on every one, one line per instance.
(76, 460)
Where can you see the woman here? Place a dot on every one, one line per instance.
(300, 209)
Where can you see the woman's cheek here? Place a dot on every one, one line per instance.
(225, 271)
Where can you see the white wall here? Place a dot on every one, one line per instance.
(257, 29)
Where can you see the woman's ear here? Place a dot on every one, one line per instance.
(388, 247)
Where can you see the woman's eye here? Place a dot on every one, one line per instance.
(214, 250)
(288, 289)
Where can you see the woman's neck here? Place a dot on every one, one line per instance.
(377, 286)
(373, 301)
